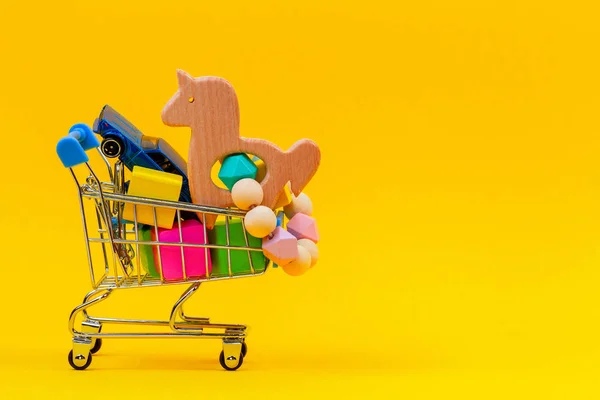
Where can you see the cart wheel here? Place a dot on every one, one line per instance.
(244, 349)
(228, 368)
(97, 346)
(97, 343)
(84, 366)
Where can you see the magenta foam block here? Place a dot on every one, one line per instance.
(195, 262)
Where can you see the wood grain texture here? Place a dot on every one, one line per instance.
(209, 106)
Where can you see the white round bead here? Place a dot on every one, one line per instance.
(246, 193)
(301, 204)
(300, 265)
(260, 221)
(312, 249)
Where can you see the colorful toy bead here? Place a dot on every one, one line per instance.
(146, 182)
(303, 227)
(280, 222)
(300, 265)
(285, 197)
(240, 263)
(236, 167)
(281, 247)
(301, 204)
(195, 257)
(246, 193)
(260, 221)
(312, 249)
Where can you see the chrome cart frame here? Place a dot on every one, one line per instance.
(121, 268)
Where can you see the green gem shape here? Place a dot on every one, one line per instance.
(236, 167)
(146, 253)
(239, 258)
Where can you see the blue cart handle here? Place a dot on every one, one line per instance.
(71, 149)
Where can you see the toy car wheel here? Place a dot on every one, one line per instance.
(228, 368)
(112, 146)
(79, 367)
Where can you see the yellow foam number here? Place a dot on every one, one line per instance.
(285, 197)
(154, 184)
(262, 169)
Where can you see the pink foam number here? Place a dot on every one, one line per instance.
(195, 263)
(281, 247)
(303, 227)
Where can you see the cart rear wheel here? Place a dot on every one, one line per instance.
(244, 349)
(228, 368)
(97, 342)
(79, 367)
(97, 346)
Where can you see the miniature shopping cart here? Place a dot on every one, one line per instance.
(118, 266)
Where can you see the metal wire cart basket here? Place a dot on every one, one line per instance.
(119, 266)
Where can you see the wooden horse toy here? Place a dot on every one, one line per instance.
(209, 106)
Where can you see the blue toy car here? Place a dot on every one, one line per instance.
(123, 140)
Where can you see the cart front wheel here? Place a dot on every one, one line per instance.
(80, 362)
(229, 367)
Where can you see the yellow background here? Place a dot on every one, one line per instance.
(457, 197)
